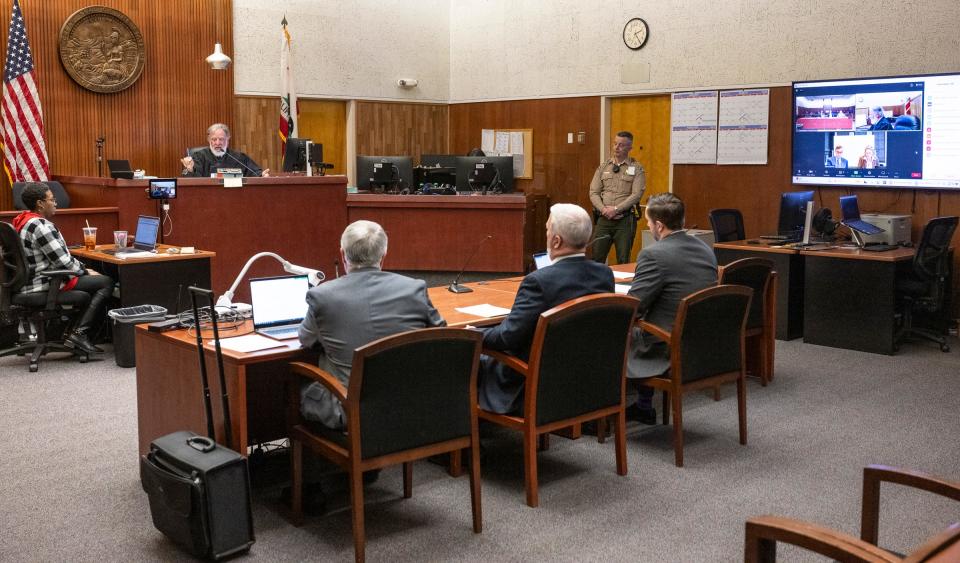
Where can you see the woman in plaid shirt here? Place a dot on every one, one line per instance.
(46, 250)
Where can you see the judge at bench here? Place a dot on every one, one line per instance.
(203, 163)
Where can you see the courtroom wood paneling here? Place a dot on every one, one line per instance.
(323, 121)
(755, 190)
(152, 122)
(560, 170)
(388, 129)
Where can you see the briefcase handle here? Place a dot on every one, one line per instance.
(201, 443)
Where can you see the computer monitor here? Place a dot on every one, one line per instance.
(295, 155)
(120, 169)
(477, 169)
(443, 160)
(793, 208)
(372, 170)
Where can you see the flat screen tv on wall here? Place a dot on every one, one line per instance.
(894, 132)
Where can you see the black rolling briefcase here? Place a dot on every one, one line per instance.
(199, 490)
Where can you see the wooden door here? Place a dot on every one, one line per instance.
(648, 118)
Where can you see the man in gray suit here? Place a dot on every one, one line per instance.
(364, 305)
(672, 268)
(837, 160)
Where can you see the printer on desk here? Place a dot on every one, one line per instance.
(896, 228)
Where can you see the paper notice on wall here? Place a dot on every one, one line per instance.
(516, 142)
(743, 130)
(518, 162)
(502, 142)
(486, 140)
(693, 127)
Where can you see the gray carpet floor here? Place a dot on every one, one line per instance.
(70, 491)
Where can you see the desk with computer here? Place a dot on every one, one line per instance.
(437, 174)
(844, 295)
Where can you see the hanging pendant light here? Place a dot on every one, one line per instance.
(218, 60)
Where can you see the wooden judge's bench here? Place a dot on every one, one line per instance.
(301, 219)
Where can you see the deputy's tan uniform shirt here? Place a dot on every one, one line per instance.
(621, 189)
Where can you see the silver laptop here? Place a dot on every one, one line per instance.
(145, 238)
(279, 305)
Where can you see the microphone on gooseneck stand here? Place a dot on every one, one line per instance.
(455, 287)
(238, 161)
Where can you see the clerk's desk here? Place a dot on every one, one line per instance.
(161, 279)
(168, 376)
(841, 297)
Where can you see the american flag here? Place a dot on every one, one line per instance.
(24, 150)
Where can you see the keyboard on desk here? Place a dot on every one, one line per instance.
(280, 332)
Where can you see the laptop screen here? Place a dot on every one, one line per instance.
(542, 260)
(277, 301)
(146, 236)
(849, 209)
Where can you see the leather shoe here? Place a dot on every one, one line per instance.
(80, 341)
(641, 415)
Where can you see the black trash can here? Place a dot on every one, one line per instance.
(124, 321)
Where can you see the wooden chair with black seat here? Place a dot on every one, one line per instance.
(410, 396)
(926, 286)
(727, 225)
(757, 274)
(764, 532)
(706, 350)
(35, 310)
(576, 373)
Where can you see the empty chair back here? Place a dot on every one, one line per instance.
(578, 355)
(709, 329)
(727, 225)
(755, 274)
(13, 267)
(59, 193)
(414, 388)
(930, 261)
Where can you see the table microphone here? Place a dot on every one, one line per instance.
(238, 161)
(455, 287)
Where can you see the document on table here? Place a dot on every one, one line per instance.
(252, 343)
(622, 275)
(129, 255)
(484, 310)
(621, 288)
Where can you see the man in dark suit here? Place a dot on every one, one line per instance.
(837, 160)
(879, 122)
(204, 162)
(364, 305)
(570, 276)
(672, 268)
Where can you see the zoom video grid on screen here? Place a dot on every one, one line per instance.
(885, 132)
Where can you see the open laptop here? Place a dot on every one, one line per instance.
(850, 216)
(145, 238)
(120, 169)
(279, 305)
(541, 260)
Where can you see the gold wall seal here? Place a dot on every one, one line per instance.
(102, 49)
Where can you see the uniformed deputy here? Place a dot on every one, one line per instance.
(615, 189)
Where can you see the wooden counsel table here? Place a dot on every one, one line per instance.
(789, 266)
(168, 377)
(161, 279)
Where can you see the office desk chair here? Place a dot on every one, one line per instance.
(727, 225)
(33, 309)
(925, 288)
(410, 396)
(706, 350)
(59, 193)
(571, 379)
(764, 532)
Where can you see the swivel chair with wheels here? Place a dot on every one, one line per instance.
(35, 310)
(926, 287)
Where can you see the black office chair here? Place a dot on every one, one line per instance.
(727, 225)
(926, 286)
(59, 193)
(35, 310)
